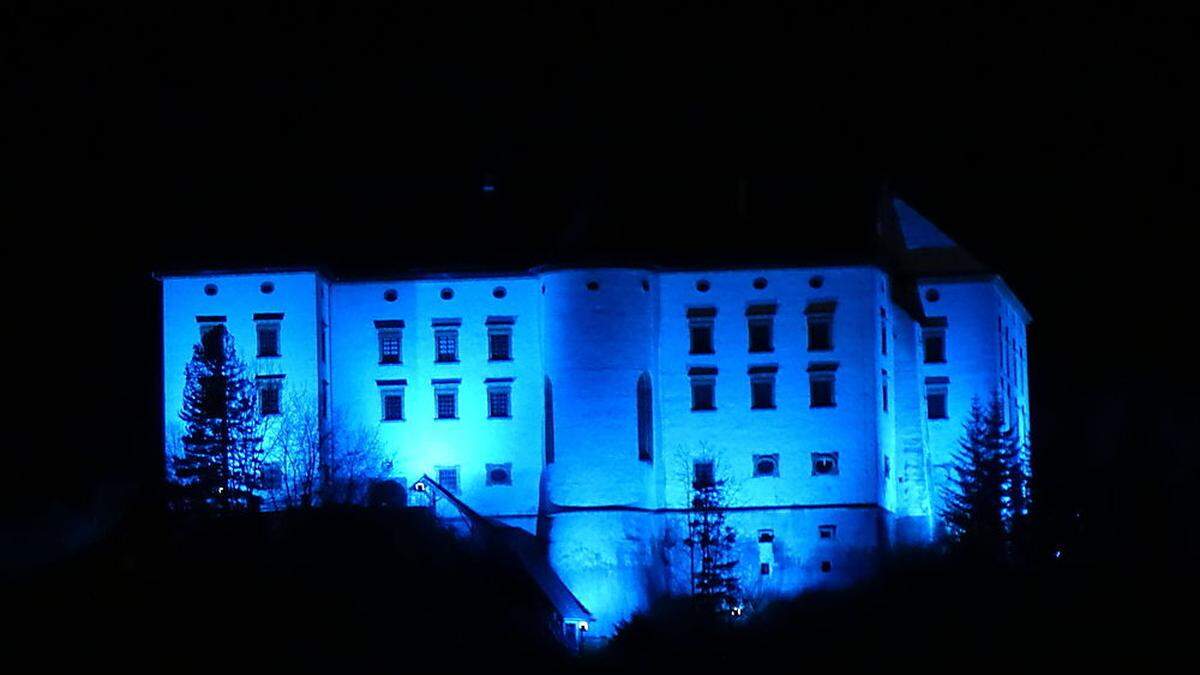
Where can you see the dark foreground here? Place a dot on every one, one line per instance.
(340, 591)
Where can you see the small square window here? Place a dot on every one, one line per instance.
(499, 474)
(268, 338)
(766, 465)
(827, 531)
(764, 568)
(448, 478)
(499, 344)
(703, 475)
(824, 464)
(704, 393)
(826, 566)
(766, 536)
(499, 401)
(446, 341)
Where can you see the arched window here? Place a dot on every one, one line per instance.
(549, 410)
(645, 418)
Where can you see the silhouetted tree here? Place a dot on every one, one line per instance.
(974, 504)
(221, 464)
(1017, 497)
(714, 581)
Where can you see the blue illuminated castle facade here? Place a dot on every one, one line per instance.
(580, 403)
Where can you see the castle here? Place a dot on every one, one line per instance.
(579, 403)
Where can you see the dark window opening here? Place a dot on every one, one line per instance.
(704, 394)
(935, 346)
(766, 465)
(826, 566)
(393, 406)
(703, 475)
(701, 338)
(762, 334)
(499, 345)
(762, 393)
(499, 474)
(645, 418)
(548, 410)
(499, 402)
(820, 333)
(390, 342)
(935, 403)
(821, 390)
(268, 397)
(824, 464)
(827, 531)
(447, 405)
(447, 346)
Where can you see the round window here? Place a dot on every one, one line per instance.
(210, 289)
(593, 285)
(932, 295)
(267, 287)
(499, 292)
(760, 283)
(499, 476)
(390, 295)
(447, 293)
(703, 285)
(816, 281)
(765, 467)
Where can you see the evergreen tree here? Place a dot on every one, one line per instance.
(714, 582)
(975, 503)
(1017, 495)
(221, 464)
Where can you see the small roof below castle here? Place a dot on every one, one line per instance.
(918, 232)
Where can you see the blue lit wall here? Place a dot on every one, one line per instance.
(613, 528)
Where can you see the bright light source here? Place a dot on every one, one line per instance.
(583, 626)
(419, 487)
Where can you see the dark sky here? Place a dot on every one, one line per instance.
(1058, 146)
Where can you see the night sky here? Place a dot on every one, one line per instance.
(1058, 147)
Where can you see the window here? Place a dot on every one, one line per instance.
(883, 331)
(448, 478)
(272, 476)
(548, 410)
(933, 340)
(445, 395)
(766, 465)
(820, 325)
(884, 389)
(645, 418)
(824, 464)
(936, 390)
(500, 338)
(700, 329)
(703, 474)
(704, 388)
(499, 474)
(391, 341)
(821, 389)
(269, 387)
(268, 338)
(212, 335)
(499, 396)
(827, 531)
(760, 321)
(826, 566)
(391, 393)
(445, 338)
(766, 551)
(762, 387)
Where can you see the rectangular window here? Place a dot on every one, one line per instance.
(936, 392)
(445, 396)
(269, 388)
(272, 476)
(213, 348)
(391, 341)
(883, 331)
(933, 340)
(820, 325)
(884, 389)
(827, 531)
(499, 400)
(445, 340)
(762, 387)
(704, 388)
(500, 330)
(448, 478)
(703, 475)
(760, 322)
(766, 551)
(268, 338)
(700, 329)
(821, 385)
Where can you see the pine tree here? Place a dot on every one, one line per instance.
(221, 465)
(1017, 496)
(975, 503)
(715, 582)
